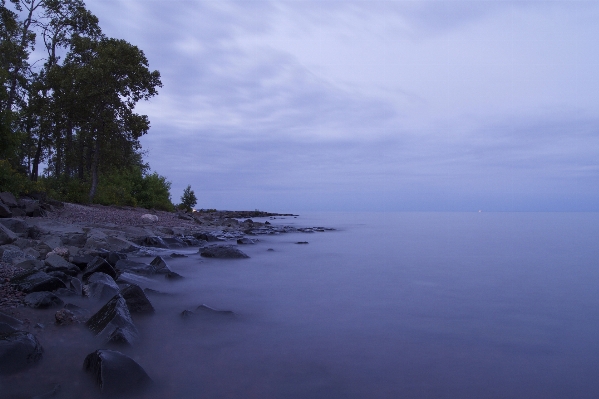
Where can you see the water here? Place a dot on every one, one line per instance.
(402, 305)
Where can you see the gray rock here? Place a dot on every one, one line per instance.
(136, 299)
(111, 316)
(10, 252)
(31, 253)
(17, 226)
(18, 350)
(8, 199)
(154, 241)
(76, 285)
(115, 373)
(31, 207)
(160, 265)
(5, 211)
(173, 276)
(64, 317)
(113, 257)
(173, 242)
(11, 321)
(135, 267)
(35, 281)
(6, 235)
(99, 265)
(43, 300)
(57, 262)
(6, 328)
(207, 310)
(245, 241)
(222, 252)
(101, 286)
(31, 264)
(74, 239)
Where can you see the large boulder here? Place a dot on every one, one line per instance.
(222, 252)
(135, 267)
(99, 265)
(112, 316)
(56, 262)
(115, 373)
(35, 281)
(18, 351)
(136, 299)
(101, 286)
(8, 199)
(7, 236)
(43, 300)
(5, 211)
(17, 226)
(160, 265)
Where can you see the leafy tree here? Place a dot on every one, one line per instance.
(188, 199)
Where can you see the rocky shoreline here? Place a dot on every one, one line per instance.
(53, 255)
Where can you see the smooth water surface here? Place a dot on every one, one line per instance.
(391, 305)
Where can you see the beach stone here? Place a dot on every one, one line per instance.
(112, 315)
(56, 262)
(5, 211)
(11, 321)
(154, 241)
(101, 286)
(18, 350)
(114, 257)
(115, 373)
(17, 212)
(222, 252)
(29, 264)
(76, 285)
(135, 267)
(171, 275)
(98, 265)
(205, 309)
(8, 199)
(136, 299)
(173, 242)
(191, 241)
(81, 261)
(245, 241)
(64, 317)
(35, 281)
(17, 226)
(6, 328)
(31, 253)
(7, 236)
(65, 278)
(74, 239)
(52, 241)
(31, 207)
(43, 300)
(149, 218)
(160, 265)
(10, 253)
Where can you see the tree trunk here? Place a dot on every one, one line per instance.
(36, 160)
(94, 171)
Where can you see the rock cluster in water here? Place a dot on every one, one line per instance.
(51, 253)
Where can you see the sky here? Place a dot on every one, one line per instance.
(291, 106)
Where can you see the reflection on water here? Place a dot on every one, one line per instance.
(407, 305)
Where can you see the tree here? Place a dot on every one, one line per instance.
(188, 200)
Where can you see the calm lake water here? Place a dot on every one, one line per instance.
(390, 305)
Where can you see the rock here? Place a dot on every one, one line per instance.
(115, 314)
(17, 226)
(176, 255)
(31, 253)
(136, 299)
(149, 218)
(11, 253)
(245, 241)
(63, 252)
(18, 350)
(57, 262)
(52, 241)
(61, 276)
(31, 207)
(302, 242)
(43, 300)
(135, 267)
(101, 286)
(222, 252)
(74, 239)
(64, 317)
(79, 312)
(35, 281)
(160, 265)
(115, 373)
(173, 242)
(204, 309)
(6, 329)
(6, 235)
(11, 321)
(173, 276)
(154, 241)
(99, 265)
(5, 211)
(8, 199)
(113, 257)
(76, 286)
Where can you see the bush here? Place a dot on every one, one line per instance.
(188, 199)
(15, 182)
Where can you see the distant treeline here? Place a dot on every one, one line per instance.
(72, 110)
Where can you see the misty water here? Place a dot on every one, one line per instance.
(390, 305)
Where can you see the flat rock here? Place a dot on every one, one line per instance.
(35, 281)
(8, 199)
(43, 300)
(135, 267)
(18, 350)
(222, 252)
(136, 299)
(5, 211)
(115, 373)
(17, 226)
(55, 262)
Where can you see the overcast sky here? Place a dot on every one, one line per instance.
(371, 105)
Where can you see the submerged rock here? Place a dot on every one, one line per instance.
(18, 350)
(99, 265)
(115, 314)
(222, 252)
(43, 300)
(115, 373)
(34, 281)
(136, 299)
(101, 286)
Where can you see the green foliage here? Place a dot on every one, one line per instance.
(15, 182)
(154, 193)
(188, 199)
